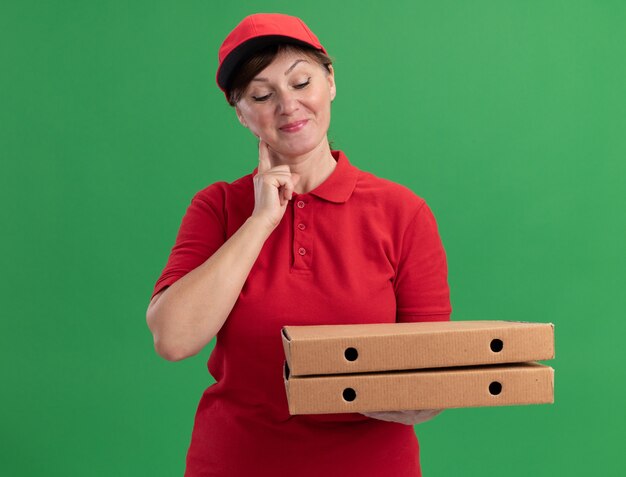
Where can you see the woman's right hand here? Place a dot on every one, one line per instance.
(273, 188)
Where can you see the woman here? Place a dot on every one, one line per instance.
(307, 238)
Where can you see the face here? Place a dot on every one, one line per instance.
(294, 88)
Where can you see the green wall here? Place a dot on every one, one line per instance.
(508, 117)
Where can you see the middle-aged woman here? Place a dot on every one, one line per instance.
(306, 238)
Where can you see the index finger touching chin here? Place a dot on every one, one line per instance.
(264, 157)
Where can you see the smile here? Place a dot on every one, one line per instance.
(294, 127)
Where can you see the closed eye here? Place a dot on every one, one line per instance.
(267, 96)
(261, 98)
(302, 85)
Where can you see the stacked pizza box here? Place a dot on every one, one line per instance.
(411, 366)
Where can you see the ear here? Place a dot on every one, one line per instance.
(331, 82)
(240, 117)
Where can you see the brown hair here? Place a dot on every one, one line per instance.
(248, 69)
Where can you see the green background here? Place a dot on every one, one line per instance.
(508, 117)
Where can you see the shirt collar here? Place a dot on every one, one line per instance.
(340, 184)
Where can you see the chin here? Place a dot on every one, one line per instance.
(297, 148)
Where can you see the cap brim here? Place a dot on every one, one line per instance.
(245, 50)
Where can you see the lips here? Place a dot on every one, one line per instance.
(293, 127)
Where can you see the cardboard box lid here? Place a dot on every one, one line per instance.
(493, 385)
(339, 349)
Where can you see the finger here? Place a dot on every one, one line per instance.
(405, 417)
(264, 157)
(289, 190)
(392, 416)
(378, 415)
(290, 185)
(431, 412)
(423, 415)
(435, 413)
(295, 178)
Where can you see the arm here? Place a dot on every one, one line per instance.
(186, 316)
(422, 292)
(421, 281)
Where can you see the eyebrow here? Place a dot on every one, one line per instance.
(286, 72)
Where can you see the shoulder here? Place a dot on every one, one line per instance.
(395, 198)
(221, 191)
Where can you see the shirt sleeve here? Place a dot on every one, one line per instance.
(202, 232)
(421, 283)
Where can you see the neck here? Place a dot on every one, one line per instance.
(313, 167)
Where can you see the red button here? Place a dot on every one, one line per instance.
(301, 204)
(301, 251)
(301, 226)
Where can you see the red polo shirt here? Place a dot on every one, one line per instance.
(357, 249)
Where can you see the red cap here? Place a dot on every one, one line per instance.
(256, 32)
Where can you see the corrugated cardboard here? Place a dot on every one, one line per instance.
(339, 349)
(496, 385)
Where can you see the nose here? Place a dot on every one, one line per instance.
(288, 103)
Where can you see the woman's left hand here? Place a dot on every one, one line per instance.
(405, 417)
